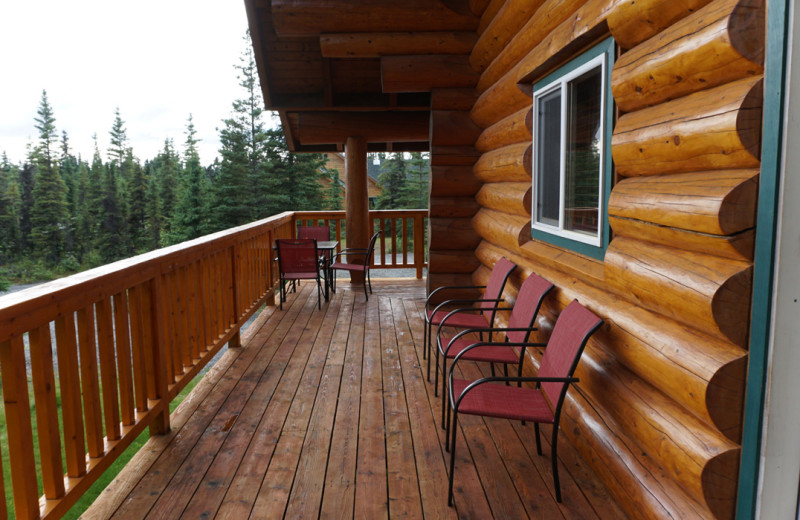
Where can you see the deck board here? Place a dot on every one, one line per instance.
(327, 414)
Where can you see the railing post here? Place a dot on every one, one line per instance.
(419, 244)
(235, 341)
(271, 268)
(160, 424)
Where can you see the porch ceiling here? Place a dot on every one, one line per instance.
(334, 67)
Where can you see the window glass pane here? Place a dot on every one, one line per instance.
(582, 168)
(548, 158)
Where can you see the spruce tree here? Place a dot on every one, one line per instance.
(136, 195)
(119, 140)
(418, 170)
(394, 183)
(49, 218)
(10, 202)
(191, 218)
(153, 218)
(333, 193)
(82, 223)
(109, 240)
(26, 182)
(167, 171)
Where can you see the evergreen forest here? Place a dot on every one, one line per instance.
(61, 213)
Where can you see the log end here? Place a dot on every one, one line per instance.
(730, 306)
(720, 481)
(725, 397)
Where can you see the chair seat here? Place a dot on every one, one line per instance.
(462, 320)
(348, 267)
(503, 401)
(488, 354)
(300, 276)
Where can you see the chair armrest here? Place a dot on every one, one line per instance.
(501, 379)
(466, 300)
(446, 287)
(506, 344)
(490, 330)
(349, 251)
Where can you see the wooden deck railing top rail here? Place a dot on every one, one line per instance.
(127, 337)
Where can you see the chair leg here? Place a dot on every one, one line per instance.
(319, 294)
(369, 281)
(366, 296)
(554, 455)
(538, 440)
(452, 459)
(436, 371)
(427, 346)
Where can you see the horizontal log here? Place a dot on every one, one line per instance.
(489, 13)
(508, 164)
(705, 375)
(720, 43)
(453, 181)
(735, 247)
(453, 98)
(452, 233)
(715, 129)
(717, 202)
(377, 44)
(460, 207)
(503, 229)
(549, 16)
(453, 155)
(706, 292)
(435, 280)
(505, 97)
(452, 128)
(315, 128)
(516, 128)
(423, 73)
(502, 29)
(312, 18)
(452, 261)
(632, 22)
(511, 197)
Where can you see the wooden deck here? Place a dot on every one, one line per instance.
(327, 414)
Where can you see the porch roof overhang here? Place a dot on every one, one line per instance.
(338, 68)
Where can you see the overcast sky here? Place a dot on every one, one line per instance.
(157, 60)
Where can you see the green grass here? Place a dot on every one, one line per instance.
(94, 491)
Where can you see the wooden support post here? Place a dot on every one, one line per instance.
(160, 424)
(356, 197)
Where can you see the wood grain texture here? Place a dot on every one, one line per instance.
(453, 207)
(705, 292)
(453, 98)
(452, 261)
(489, 12)
(377, 44)
(510, 163)
(513, 129)
(715, 129)
(504, 229)
(452, 233)
(510, 197)
(502, 29)
(717, 202)
(720, 43)
(419, 73)
(453, 181)
(452, 128)
(632, 21)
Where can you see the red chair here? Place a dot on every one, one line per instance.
(520, 325)
(298, 260)
(542, 404)
(362, 267)
(318, 233)
(474, 317)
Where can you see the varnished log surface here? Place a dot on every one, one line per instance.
(328, 414)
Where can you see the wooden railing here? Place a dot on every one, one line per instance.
(401, 246)
(127, 337)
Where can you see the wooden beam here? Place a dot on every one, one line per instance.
(423, 73)
(312, 17)
(377, 44)
(335, 127)
(356, 197)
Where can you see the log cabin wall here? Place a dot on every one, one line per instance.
(658, 410)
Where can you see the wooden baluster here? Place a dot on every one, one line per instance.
(108, 370)
(157, 358)
(208, 304)
(148, 337)
(179, 298)
(236, 308)
(18, 426)
(169, 309)
(219, 270)
(419, 244)
(392, 240)
(137, 349)
(44, 389)
(197, 279)
(89, 384)
(124, 359)
(404, 261)
(191, 311)
(227, 290)
(69, 381)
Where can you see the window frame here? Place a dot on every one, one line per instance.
(603, 55)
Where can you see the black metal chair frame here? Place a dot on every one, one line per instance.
(368, 253)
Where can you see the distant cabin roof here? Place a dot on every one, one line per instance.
(339, 68)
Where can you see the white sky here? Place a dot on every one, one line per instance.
(157, 60)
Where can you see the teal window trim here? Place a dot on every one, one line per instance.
(608, 48)
(763, 270)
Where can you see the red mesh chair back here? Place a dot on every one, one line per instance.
(497, 280)
(573, 328)
(371, 248)
(318, 233)
(297, 256)
(529, 299)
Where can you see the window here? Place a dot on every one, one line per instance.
(571, 174)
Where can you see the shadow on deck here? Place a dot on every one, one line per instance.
(327, 414)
